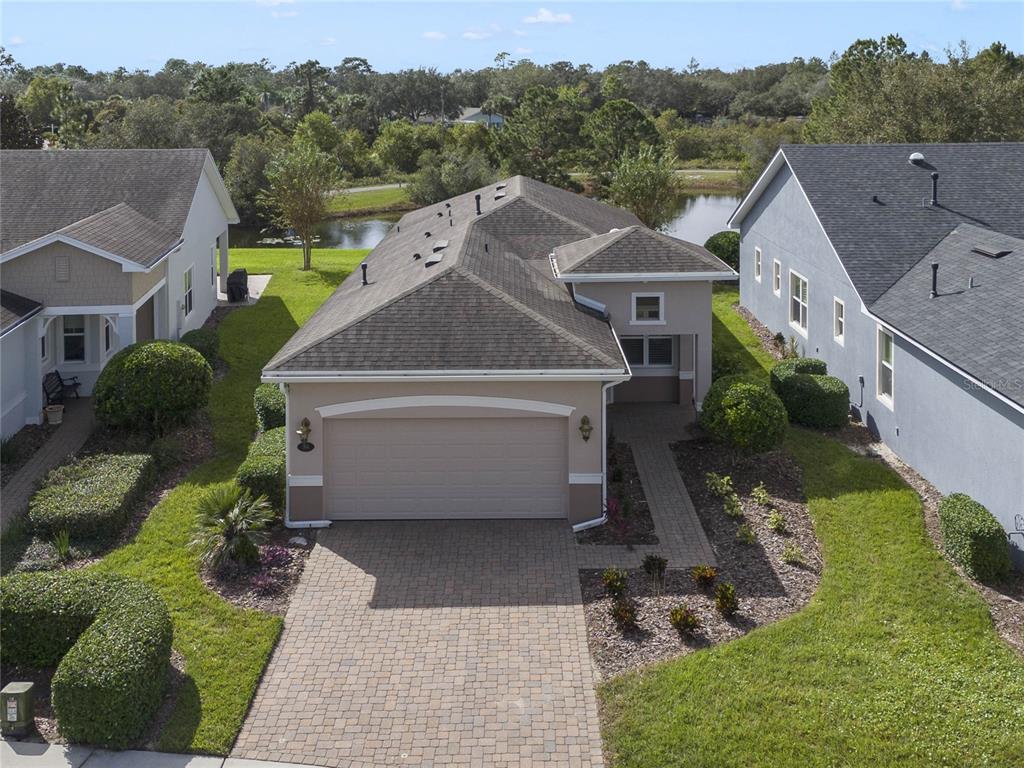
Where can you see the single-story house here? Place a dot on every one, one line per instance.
(463, 370)
(477, 115)
(902, 266)
(100, 249)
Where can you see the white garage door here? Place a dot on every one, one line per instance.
(445, 468)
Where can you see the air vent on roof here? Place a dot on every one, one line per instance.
(501, 186)
(416, 257)
(440, 245)
(439, 214)
(433, 259)
(991, 254)
(499, 196)
(916, 158)
(427, 234)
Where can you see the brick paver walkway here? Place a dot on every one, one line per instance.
(432, 644)
(69, 437)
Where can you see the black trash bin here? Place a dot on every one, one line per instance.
(238, 286)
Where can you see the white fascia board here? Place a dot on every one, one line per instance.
(647, 277)
(220, 189)
(755, 191)
(317, 377)
(586, 301)
(126, 264)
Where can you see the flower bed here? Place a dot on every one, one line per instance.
(630, 521)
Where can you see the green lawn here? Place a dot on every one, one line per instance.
(373, 201)
(225, 648)
(894, 661)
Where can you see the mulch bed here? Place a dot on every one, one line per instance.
(769, 342)
(768, 589)
(24, 443)
(636, 526)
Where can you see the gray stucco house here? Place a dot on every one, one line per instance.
(902, 266)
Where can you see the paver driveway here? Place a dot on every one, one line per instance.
(432, 644)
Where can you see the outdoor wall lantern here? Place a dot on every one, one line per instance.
(303, 432)
(585, 428)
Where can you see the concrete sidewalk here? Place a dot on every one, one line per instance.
(23, 754)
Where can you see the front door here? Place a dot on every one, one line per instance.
(144, 324)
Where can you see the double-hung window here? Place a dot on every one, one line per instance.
(757, 264)
(648, 351)
(648, 308)
(187, 296)
(838, 321)
(798, 302)
(776, 277)
(885, 382)
(74, 338)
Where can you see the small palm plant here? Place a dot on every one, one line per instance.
(231, 523)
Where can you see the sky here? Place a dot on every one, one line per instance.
(728, 35)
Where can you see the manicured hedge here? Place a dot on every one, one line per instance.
(205, 341)
(268, 399)
(263, 471)
(974, 538)
(811, 397)
(152, 386)
(92, 497)
(109, 637)
(745, 414)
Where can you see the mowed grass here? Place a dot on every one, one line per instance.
(372, 201)
(893, 663)
(225, 648)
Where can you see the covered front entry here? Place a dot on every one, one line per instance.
(430, 468)
(145, 325)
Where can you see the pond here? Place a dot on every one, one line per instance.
(699, 217)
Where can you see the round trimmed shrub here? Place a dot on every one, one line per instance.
(152, 386)
(109, 637)
(268, 400)
(263, 471)
(974, 538)
(744, 413)
(811, 397)
(791, 366)
(205, 341)
(726, 246)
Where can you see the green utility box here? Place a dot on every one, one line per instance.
(16, 708)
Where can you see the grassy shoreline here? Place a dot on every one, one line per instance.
(370, 203)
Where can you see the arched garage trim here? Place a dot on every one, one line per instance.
(447, 401)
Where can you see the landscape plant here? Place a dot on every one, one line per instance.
(684, 620)
(269, 402)
(811, 397)
(704, 575)
(263, 471)
(625, 612)
(230, 525)
(655, 566)
(725, 599)
(745, 534)
(726, 246)
(973, 538)
(744, 414)
(792, 554)
(205, 341)
(777, 521)
(615, 581)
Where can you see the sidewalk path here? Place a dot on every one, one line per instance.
(21, 754)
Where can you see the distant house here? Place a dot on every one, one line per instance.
(902, 266)
(477, 115)
(100, 249)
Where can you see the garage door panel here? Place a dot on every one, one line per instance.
(437, 468)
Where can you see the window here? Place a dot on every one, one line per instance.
(107, 337)
(648, 351)
(187, 300)
(798, 302)
(776, 277)
(838, 320)
(885, 372)
(757, 264)
(647, 308)
(74, 338)
(213, 263)
(44, 352)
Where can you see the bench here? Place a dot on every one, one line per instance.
(55, 387)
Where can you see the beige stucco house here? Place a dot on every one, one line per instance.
(465, 369)
(100, 249)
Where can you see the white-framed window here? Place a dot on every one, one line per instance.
(73, 331)
(798, 302)
(648, 351)
(757, 264)
(213, 263)
(777, 277)
(884, 380)
(44, 347)
(108, 336)
(838, 321)
(648, 309)
(187, 296)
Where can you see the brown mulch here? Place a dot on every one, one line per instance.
(637, 524)
(769, 343)
(768, 589)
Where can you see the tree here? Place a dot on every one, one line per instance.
(617, 127)
(644, 182)
(153, 123)
(44, 101)
(246, 173)
(217, 85)
(302, 179)
(453, 173)
(318, 129)
(400, 143)
(15, 130)
(726, 246)
(312, 89)
(541, 137)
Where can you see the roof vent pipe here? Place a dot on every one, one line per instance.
(485, 248)
(478, 205)
(935, 279)
(365, 281)
(935, 188)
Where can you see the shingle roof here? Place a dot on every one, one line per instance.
(125, 232)
(490, 303)
(14, 309)
(635, 249)
(879, 241)
(979, 329)
(43, 191)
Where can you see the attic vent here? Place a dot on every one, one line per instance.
(62, 269)
(439, 214)
(416, 257)
(427, 234)
(432, 259)
(499, 196)
(991, 254)
(440, 245)
(501, 186)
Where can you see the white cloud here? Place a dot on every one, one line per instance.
(523, 51)
(544, 16)
(476, 34)
(434, 36)
(16, 40)
(328, 41)
(284, 14)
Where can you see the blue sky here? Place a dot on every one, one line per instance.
(462, 34)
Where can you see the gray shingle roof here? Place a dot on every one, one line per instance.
(14, 309)
(635, 249)
(879, 241)
(489, 304)
(43, 191)
(980, 329)
(125, 232)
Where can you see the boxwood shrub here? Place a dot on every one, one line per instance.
(91, 497)
(152, 386)
(791, 366)
(109, 637)
(269, 403)
(205, 341)
(263, 471)
(744, 413)
(811, 397)
(974, 538)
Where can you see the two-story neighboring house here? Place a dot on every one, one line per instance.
(100, 249)
(902, 266)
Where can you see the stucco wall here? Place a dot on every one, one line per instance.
(13, 349)
(94, 280)
(957, 436)
(205, 222)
